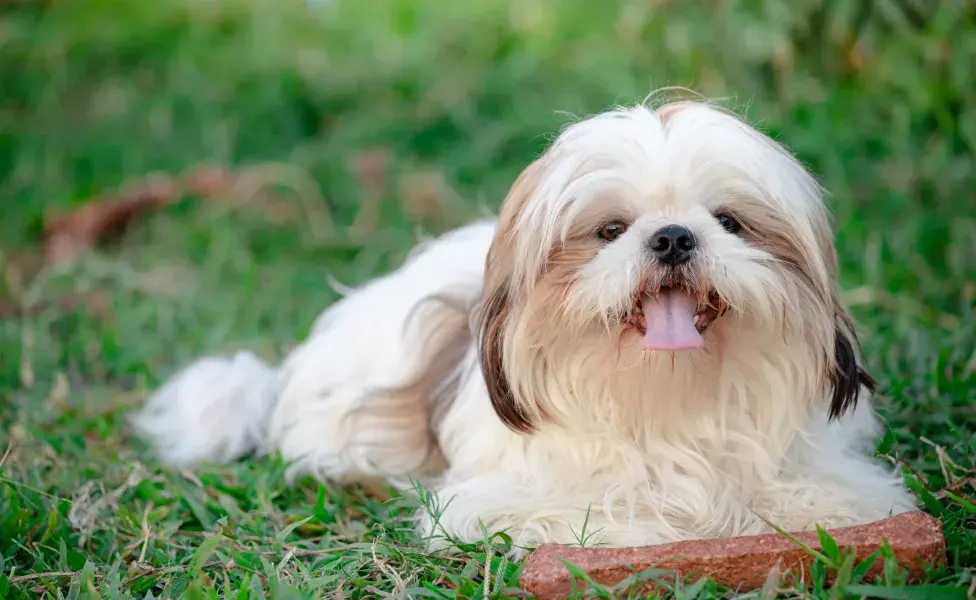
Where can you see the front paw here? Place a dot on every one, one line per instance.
(444, 537)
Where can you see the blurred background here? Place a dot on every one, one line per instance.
(279, 141)
(188, 176)
(196, 175)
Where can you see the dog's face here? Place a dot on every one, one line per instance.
(681, 233)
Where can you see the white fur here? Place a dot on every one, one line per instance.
(217, 409)
(642, 448)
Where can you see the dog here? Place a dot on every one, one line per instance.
(645, 345)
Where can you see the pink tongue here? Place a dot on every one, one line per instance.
(670, 320)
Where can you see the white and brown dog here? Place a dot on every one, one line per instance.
(648, 338)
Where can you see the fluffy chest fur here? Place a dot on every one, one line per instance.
(683, 448)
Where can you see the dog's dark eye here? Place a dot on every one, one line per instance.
(729, 223)
(612, 230)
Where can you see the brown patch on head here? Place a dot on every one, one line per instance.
(772, 233)
(501, 256)
(548, 300)
(668, 111)
(564, 261)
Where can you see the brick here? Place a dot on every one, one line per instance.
(741, 563)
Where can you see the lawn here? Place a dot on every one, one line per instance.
(337, 133)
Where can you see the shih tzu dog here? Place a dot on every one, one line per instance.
(646, 343)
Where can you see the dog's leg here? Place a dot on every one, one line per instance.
(832, 479)
(811, 499)
(355, 400)
(496, 503)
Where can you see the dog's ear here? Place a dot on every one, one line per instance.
(498, 304)
(495, 312)
(847, 376)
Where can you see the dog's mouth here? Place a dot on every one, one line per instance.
(674, 318)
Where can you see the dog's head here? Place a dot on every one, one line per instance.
(679, 233)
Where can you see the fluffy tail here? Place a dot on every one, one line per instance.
(215, 410)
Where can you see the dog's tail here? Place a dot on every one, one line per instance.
(216, 409)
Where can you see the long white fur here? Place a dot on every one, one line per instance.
(643, 449)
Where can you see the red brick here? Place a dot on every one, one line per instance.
(742, 563)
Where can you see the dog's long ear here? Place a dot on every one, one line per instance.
(495, 313)
(813, 263)
(501, 303)
(807, 252)
(848, 377)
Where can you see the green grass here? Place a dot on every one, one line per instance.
(877, 97)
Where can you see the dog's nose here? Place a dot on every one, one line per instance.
(672, 244)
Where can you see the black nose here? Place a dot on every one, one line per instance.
(672, 244)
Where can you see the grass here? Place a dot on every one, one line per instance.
(875, 96)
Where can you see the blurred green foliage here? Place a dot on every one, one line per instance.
(876, 96)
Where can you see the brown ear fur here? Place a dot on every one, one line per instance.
(844, 376)
(498, 305)
(494, 316)
(847, 376)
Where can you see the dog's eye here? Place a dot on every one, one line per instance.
(612, 230)
(729, 223)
